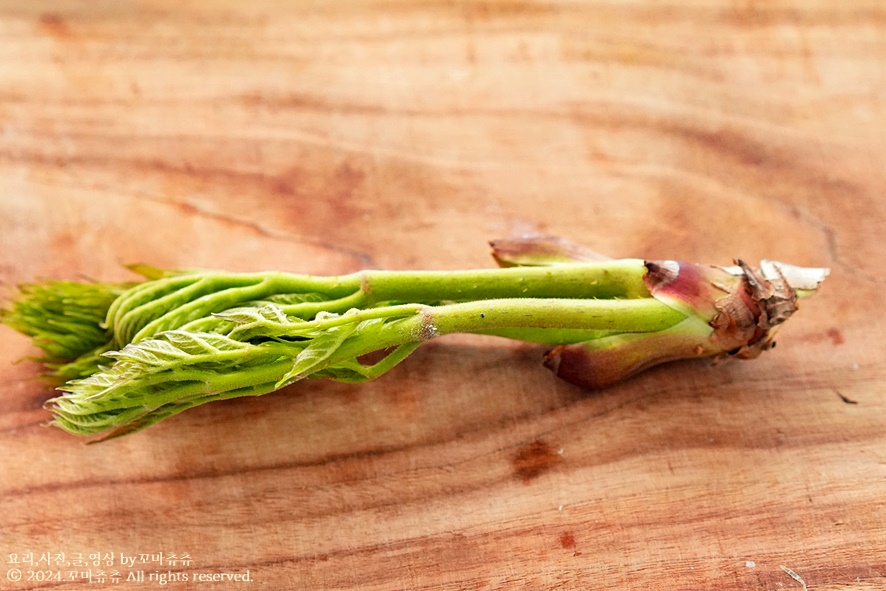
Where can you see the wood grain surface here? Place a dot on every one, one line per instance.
(326, 137)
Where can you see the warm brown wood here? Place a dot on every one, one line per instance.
(324, 137)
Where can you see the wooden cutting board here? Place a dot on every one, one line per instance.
(326, 137)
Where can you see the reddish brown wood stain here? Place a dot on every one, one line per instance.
(533, 460)
(836, 336)
(54, 26)
(833, 334)
(567, 540)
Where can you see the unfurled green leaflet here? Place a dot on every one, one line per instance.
(159, 374)
(318, 350)
(130, 355)
(178, 369)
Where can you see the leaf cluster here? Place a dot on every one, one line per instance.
(131, 355)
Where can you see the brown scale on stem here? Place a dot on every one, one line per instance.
(731, 312)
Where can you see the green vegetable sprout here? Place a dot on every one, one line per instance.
(129, 355)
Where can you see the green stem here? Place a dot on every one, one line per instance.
(559, 317)
(173, 302)
(609, 280)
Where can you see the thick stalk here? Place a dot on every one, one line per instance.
(173, 302)
(559, 317)
(609, 280)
